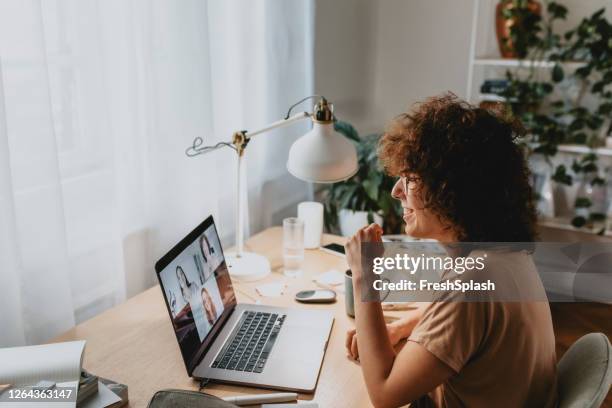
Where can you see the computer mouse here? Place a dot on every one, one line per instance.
(316, 296)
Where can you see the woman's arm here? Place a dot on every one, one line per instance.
(392, 380)
(397, 330)
(402, 328)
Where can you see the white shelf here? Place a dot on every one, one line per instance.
(508, 62)
(513, 62)
(491, 97)
(581, 149)
(564, 223)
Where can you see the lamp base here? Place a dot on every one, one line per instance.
(248, 267)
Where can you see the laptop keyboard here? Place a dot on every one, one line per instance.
(248, 347)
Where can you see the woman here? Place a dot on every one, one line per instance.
(189, 291)
(184, 284)
(462, 178)
(207, 252)
(209, 307)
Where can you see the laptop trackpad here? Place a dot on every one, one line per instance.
(299, 345)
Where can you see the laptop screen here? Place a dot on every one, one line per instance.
(198, 290)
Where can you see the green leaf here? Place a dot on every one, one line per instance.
(546, 88)
(557, 73)
(561, 176)
(583, 72)
(556, 10)
(594, 122)
(598, 86)
(347, 130)
(371, 189)
(582, 202)
(605, 108)
(598, 13)
(589, 157)
(344, 201)
(597, 216)
(576, 124)
(370, 217)
(580, 138)
(557, 104)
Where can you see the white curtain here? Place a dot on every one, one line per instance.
(98, 101)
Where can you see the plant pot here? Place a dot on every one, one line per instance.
(503, 25)
(351, 221)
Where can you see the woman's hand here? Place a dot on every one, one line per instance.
(353, 249)
(394, 332)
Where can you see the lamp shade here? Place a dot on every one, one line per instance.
(322, 156)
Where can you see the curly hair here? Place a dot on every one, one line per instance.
(472, 172)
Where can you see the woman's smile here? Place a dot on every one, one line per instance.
(408, 213)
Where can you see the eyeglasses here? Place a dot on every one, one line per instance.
(406, 180)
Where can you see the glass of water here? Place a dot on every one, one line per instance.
(293, 246)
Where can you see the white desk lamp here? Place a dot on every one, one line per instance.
(320, 156)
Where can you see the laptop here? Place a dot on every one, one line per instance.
(225, 341)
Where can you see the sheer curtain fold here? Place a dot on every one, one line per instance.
(100, 100)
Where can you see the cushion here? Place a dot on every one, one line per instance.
(585, 372)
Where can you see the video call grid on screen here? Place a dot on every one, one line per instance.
(192, 286)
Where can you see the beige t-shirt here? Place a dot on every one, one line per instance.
(503, 353)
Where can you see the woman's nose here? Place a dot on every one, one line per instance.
(398, 190)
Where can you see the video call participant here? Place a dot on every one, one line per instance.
(207, 252)
(192, 296)
(209, 307)
(462, 178)
(224, 283)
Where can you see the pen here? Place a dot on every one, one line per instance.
(398, 306)
(262, 398)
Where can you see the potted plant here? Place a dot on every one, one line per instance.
(551, 121)
(516, 23)
(365, 197)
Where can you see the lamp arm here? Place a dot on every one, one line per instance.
(279, 123)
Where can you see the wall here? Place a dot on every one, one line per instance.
(374, 58)
(345, 53)
(422, 50)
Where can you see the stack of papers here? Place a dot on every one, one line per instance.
(58, 364)
(49, 375)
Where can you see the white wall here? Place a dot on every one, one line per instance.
(374, 58)
(345, 39)
(422, 49)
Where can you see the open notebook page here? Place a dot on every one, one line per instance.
(57, 362)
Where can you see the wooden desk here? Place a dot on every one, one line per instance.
(133, 343)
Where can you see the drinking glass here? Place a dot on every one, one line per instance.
(293, 246)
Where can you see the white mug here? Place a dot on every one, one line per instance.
(311, 213)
